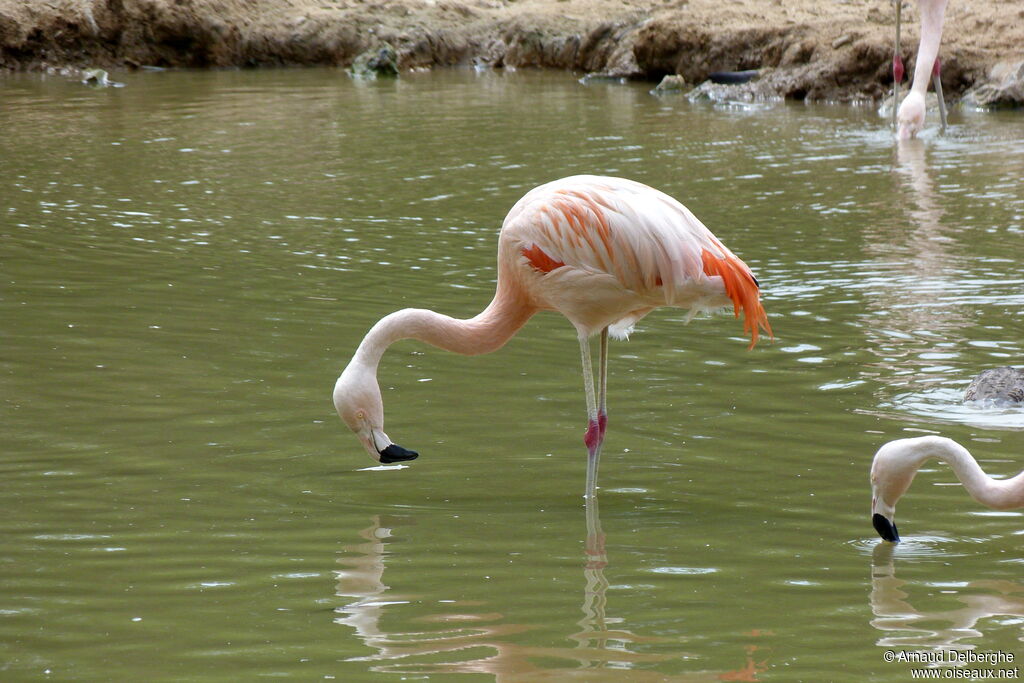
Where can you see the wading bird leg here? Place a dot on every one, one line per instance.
(937, 84)
(897, 67)
(592, 437)
(602, 395)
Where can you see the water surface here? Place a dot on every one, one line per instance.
(190, 260)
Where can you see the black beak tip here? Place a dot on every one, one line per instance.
(395, 453)
(885, 528)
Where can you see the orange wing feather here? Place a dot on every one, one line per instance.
(742, 288)
(643, 238)
(540, 261)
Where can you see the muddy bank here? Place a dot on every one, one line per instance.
(807, 49)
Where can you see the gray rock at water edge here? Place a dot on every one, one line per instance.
(379, 61)
(1003, 88)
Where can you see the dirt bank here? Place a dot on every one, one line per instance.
(832, 50)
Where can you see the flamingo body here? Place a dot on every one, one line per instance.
(601, 251)
(896, 463)
(604, 252)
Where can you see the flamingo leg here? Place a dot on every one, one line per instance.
(592, 437)
(897, 67)
(602, 387)
(937, 84)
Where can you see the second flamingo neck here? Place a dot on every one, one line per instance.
(996, 493)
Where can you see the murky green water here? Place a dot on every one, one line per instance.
(187, 263)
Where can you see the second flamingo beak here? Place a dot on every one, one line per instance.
(885, 528)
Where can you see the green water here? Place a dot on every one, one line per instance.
(188, 262)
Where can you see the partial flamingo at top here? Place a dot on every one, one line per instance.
(911, 114)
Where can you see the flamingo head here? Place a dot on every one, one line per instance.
(892, 471)
(358, 402)
(910, 117)
(883, 518)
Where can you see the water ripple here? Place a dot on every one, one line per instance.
(946, 405)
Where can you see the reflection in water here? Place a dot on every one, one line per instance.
(915, 324)
(600, 653)
(923, 302)
(904, 626)
(594, 622)
(363, 580)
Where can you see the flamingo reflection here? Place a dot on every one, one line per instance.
(600, 654)
(916, 321)
(904, 626)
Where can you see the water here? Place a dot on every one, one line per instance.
(189, 261)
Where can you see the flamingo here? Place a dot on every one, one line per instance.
(1003, 386)
(910, 117)
(602, 251)
(897, 462)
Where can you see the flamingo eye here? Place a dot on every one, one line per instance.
(360, 415)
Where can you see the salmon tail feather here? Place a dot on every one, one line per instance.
(742, 288)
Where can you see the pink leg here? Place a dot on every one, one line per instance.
(593, 436)
(602, 395)
(937, 83)
(897, 67)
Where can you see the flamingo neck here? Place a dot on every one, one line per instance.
(1001, 494)
(932, 13)
(486, 332)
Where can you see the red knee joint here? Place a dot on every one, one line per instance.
(593, 435)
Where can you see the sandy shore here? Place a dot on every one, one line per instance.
(836, 50)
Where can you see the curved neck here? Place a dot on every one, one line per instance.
(483, 333)
(932, 12)
(1002, 494)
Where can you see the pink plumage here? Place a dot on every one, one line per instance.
(604, 252)
(601, 251)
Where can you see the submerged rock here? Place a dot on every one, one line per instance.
(751, 91)
(672, 83)
(379, 61)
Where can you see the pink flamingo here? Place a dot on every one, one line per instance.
(910, 117)
(603, 252)
(897, 462)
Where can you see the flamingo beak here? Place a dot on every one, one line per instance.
(389, 452)
(381, 448)
(395, 453)
(885, 528)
